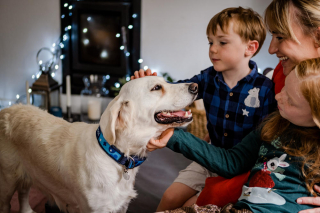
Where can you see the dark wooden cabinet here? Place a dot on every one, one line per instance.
(101, 37)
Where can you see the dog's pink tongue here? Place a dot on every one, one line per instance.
(180, 113)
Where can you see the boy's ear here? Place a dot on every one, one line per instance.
(252, 47)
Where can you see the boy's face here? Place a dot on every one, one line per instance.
(226, 50)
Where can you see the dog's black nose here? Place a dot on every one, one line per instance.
(193, 88)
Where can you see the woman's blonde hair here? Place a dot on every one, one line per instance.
(303, 142)
(280, 13)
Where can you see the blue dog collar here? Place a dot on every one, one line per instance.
(129, 162)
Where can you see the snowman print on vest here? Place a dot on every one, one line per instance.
(261, 185)
(252, 100)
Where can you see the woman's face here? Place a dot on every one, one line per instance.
(291, 52)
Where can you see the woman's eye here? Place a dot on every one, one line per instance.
(279, 38)
(210, 43)
(157, 87)
(223, 43)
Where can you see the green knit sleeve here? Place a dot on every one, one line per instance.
(226, 163)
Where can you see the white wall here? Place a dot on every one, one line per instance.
(173, 37)
(173, 34)
(25, 27)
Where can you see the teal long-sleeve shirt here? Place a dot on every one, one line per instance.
(275, 181)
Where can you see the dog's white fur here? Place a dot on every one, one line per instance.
(65, 161)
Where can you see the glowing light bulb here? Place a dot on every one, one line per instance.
(61, 45)
(69, 27)
(127, 54)
(65, 5)
(65, 37)
(104, 54)
(117, 85)
(89, 18)
(38, 75)
(121, 47)
(30, 90)
(85, 30)
(70, 14)
(40, 62)
(145, 67)
(66, 29)
(61, 56)
(86, 41)
(54, 44)
(130, 26)
(134, 15)
(62, 16)
(140, 60)
(53, 74)
(33, 76)
(17, 96)
(56, 66)
(43, 69)
(128, 78)
(9, 103)
(70, 7)
(107, 77)
(118, 35)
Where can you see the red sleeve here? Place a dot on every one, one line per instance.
(278, 78)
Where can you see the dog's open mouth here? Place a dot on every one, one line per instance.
(169, 117)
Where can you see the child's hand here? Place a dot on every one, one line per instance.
(161, 142)
(141, 73)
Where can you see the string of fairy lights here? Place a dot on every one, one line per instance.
(57, 47)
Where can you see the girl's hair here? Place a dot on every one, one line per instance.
(303, 142)
(280, 13)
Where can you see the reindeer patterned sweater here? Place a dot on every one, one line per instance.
(275, 181)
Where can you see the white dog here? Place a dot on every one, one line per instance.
(69, 163)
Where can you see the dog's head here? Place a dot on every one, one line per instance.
(144, 108)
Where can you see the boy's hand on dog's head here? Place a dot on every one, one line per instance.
(161, 142)
(141, 73)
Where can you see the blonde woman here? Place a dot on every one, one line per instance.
(295, 28)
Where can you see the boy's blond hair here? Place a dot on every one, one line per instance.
(248, 24)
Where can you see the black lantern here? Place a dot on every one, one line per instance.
(45, 88)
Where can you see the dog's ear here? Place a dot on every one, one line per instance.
(115, 117)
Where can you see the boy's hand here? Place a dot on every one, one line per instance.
(161, 142)
(141, 73)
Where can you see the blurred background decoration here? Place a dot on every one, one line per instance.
(92, 97)
(167, 77)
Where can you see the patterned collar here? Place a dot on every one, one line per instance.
(129, 162)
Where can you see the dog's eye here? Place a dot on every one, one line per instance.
(157, 87)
